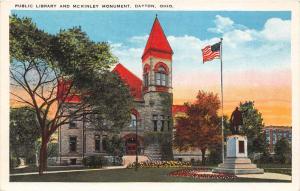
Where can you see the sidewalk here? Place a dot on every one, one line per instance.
(267, 175)
(62, 171)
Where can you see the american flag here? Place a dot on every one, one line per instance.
(211, 52)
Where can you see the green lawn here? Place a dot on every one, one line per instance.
(277, 168)
(121, 175)
(50, 168)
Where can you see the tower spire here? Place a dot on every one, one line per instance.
(157, 41)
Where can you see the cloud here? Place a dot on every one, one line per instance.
(223, 24)
(244, 49)
(138, 39)
(276, 29)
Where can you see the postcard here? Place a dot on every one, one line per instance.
(161, 95)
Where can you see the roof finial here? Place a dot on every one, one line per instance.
(156, 15)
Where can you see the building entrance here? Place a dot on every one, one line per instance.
(131, 145)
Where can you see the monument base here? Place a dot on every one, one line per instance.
(236, 161)
(238, 166)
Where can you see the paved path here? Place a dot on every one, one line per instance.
(129, 159)
(267, 175)
(62, 171)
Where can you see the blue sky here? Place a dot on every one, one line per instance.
(256, 50)
(127, 31)
(117, 26)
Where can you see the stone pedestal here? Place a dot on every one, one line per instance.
(237, 161)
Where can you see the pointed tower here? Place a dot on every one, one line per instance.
(157, 91)
(157, 61)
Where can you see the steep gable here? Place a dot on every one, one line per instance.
(134, 83)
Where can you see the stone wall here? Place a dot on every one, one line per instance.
(154, 104)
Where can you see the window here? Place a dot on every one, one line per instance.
(274, 138)
(73, 144)
(169, 123)
(104, 143)
(289, 136)
(154, 122)
(268, 136)
(133, 121)
(72, 123)
(279, 134)
(161, 77)
(97, 143)
(73, 161)
(157, 77)
(146, 79)
(162, 123)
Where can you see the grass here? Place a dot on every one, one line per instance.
(274, 165)
(35, 169)
(277, 168)
(280, 171)
(122, 175)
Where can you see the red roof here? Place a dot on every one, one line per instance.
(62, 91)
(157, 40)
(135, 84)
(179, 109)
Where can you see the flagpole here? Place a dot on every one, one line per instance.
(222, 103)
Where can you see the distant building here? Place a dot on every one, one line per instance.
(191, 154)
(275, 133)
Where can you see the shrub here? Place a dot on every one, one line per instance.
(115, 160)
(95, 161)
(266, 158)
(14, 162)
(215, 156)
(283, 151)
(161, 164)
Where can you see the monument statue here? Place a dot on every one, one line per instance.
(237, 161)
(236, 121)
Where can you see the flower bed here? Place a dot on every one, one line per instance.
(161, 164)
(202, 173)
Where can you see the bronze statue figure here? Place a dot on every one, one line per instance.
(236, 121)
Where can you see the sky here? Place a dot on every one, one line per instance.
(256, 51)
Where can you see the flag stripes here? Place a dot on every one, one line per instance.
(211, 52)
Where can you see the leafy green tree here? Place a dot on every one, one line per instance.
(266, 157)
(215, 154)
(40, 62)
(252, 127)
(24, 132)
(282, 151)
(114, 146)
(52, 150)
(227, 130)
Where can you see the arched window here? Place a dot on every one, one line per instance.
(133, 121)
(161, 77)
(146, 75)
(146, 79)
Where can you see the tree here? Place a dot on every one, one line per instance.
(252, 127)
(215, 154)
(40, 62)
(282, 151)
(201, 127)
(114, 146)
(24, 133)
